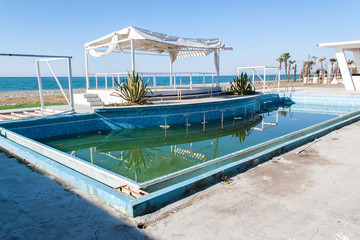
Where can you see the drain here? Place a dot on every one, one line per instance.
(142, 225)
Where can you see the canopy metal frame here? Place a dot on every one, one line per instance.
(47, 59)
(263, 79)
(185, 51)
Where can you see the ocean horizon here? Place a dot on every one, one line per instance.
(8, 84)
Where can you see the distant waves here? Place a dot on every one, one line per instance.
(49, 83)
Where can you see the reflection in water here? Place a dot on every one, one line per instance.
(134, 160)
(242, 134)
(144, 154)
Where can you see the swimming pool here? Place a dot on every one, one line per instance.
(140, 158)
(148, 153)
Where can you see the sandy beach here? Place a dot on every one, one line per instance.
(31, 97)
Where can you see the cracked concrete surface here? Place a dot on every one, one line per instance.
(310, 195)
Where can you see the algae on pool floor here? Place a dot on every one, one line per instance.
(144, 154)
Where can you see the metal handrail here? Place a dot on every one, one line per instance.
(291, 92)
(154, 75)
(286, 89)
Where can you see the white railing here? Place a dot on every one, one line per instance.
(47, 58)
(172, 79)
(263, 78)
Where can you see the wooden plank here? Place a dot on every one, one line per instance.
(125, 188)
(7, 117)
(18, 115)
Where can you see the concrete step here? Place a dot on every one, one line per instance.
(93, 104)
(90, 95)
(89, 99)
(97, 99)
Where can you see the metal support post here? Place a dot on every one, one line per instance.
(40, 85)
(132, 55)
(71, 92)
(191, 81)
(87, 70)
(264, 80)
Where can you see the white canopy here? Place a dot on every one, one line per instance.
(136, 39)
(148, 41)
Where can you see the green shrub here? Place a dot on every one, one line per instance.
(132, 89)
(242, 85)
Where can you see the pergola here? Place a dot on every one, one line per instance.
(339, 48)
(131, 39)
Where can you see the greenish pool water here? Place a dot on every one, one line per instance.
(143, 154)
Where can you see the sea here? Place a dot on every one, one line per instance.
(49, 83)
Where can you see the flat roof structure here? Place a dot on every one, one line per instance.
(350, 82)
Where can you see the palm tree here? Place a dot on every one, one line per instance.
(313, 62)
(309, 65)
(332, 61)
(303, 69)
(280, 60)
(290, 63)
(295, 71)
(322, 68)
(352, 66)
(286, 56)
(336, 70)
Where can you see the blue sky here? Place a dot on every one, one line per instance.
(259, 31)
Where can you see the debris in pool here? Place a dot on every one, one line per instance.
(307, 146)
(276, 159)
(226, 179)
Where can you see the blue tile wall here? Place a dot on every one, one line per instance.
(323, 100)
(131, 117)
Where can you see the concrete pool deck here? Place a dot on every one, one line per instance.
(311, 195)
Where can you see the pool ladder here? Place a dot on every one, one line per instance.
(290, 91)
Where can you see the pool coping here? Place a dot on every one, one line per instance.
(182, 189)
(159, 198)
(183, 103)
(109, 178)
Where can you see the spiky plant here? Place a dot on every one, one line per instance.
(242, 85)
(132, 89)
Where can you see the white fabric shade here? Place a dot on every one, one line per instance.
(149, 41)
(131, 39)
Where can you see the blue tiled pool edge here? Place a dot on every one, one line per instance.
(155, 200)
(183, 189)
